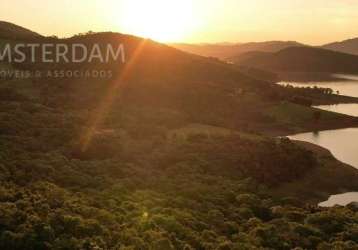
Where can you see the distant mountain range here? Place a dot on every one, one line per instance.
(13, 31)
(227, 51)
(260, 58)
(301, 59)
(284, 58)
(349, 46)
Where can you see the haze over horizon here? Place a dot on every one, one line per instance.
(192, 21)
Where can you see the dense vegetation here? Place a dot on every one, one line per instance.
(88, 164)
(153, 192)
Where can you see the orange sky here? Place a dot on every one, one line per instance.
(310, 21)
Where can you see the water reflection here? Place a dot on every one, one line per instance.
(343, 145)
(341, 142)
(348, 87)
(316, 134)
(347, 109)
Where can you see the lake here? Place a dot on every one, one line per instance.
(340, 199)
(343, 145)
(347, 109)
(347, 87)
(341, 142)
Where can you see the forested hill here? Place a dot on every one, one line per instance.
(228, 51)
(12, 31)
(301, 59)
(349, 46)
(168, 153)
(158, 76)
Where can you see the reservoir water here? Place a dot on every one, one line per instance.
(340, 199)
(347, 109)
(348, 86)
(343, 143)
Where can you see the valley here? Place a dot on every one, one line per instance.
(175, 151)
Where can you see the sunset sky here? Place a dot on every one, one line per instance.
(314, 22)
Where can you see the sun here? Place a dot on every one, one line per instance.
(161, 20)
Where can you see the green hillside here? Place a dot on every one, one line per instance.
(172, 152)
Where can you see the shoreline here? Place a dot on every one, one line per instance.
(336, 100)
(309, 77)
(310, 128)
(331, 177)
(317, 185)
